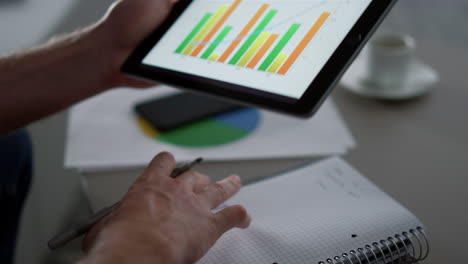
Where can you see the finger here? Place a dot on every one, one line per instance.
(233, 216)
(202, 182)
(217, 193)
(160, 167)
(194, 180)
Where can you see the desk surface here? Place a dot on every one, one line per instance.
(417, 151)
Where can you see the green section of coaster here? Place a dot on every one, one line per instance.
(206, 133)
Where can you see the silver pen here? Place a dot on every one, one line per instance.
(83, 227)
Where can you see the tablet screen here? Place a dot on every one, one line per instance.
(276, 46)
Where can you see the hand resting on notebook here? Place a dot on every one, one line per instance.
(165, 220)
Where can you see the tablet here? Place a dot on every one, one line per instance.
(283, 55)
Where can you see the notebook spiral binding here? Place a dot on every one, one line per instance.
(405, 248)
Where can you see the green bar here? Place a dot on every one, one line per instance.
(253, 49)
(279, 47)
(205, 29)
(216, 43)
(260, 28)
(278, 62)
(192, 34)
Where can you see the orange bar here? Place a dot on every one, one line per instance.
(301, 47)
(215, 29)
(256, 59)
(244, 33)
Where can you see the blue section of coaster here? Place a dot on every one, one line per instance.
(246, 119)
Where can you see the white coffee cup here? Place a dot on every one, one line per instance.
(391, 57)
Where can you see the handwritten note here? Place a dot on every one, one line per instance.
(311, 214)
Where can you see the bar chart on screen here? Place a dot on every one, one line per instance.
(276, 46)
(261, 42)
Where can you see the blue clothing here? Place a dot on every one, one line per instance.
(15, 180)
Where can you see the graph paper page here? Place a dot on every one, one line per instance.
(309, 215)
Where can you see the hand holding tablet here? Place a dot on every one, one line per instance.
(282, 55)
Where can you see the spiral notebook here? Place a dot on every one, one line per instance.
(322, 213)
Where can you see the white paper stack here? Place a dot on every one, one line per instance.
(103, 134)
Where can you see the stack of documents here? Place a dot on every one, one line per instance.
(103, 134)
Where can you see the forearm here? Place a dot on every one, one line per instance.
(118, 255)
(50, 78)
(118, 246)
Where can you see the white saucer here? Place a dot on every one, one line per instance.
(420, 79)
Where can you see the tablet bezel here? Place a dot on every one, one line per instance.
(306, 106)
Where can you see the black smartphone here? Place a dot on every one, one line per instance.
(177, 110)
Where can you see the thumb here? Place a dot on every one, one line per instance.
(133, 20)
